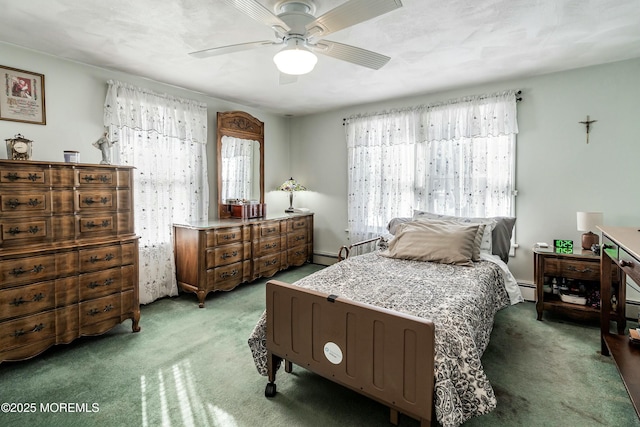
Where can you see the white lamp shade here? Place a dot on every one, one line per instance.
(588, 221)
(295, 59)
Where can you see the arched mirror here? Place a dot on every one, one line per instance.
(240, 165)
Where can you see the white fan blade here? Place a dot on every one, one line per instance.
(286, 79)
(347, 14)
(352, 54)
(231, 48)
(256, 11)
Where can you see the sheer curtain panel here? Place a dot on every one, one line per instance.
(165, 138)
(454, 158)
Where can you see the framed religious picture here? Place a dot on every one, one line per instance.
(22, 96)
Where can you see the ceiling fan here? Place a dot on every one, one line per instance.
(302, 34)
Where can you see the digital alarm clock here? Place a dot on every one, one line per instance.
(563, 246)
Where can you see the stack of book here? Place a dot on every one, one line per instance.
(634, 335)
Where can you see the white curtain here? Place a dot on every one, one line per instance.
(455, 158)
(165, 139)
(237, 167)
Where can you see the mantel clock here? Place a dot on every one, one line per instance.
(19, 148)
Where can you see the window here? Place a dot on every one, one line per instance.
(456, 158)
(165, 139)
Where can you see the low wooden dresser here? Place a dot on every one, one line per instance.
(220, 255)
(68, 254)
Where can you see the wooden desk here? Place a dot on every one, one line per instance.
(621, 251)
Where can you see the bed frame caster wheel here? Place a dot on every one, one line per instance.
(270, 390)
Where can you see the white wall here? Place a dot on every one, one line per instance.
(558, 174)
(75, 93)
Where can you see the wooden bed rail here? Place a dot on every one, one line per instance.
(344, 251)
(384, 355)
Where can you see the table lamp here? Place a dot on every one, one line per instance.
(291, 185)
(588, 221)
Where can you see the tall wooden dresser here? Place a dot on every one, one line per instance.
(220, 255)
(68, 254)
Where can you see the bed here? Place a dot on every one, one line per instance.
(406, 332)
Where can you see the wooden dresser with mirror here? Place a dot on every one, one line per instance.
(68, 254)
(245, 243)
(220, 255)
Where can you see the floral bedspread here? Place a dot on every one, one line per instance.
(461, 302)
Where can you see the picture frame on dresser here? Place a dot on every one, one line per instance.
(22, 98)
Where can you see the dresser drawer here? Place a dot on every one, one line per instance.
(267, 265)
(11, 176)
(27, 270)
(296, 238)
(269, 229)
(224, 255)
(573, 269)
(25, 231)
(99, 258)
(25, 203)
(267, 246)
(225, 278)
(96, 225)
(298, 223)
(224, 236)
(297, 256)
(98, 310)
(95, 200)
(100, 283)
(95, 178)
(27, 330)
(25, 300)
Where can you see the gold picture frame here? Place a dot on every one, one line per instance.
(22, 96)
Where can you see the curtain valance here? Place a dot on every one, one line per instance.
(474, 117)
(469, 117)
(129, 106)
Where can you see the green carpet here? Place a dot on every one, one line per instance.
(192, 367)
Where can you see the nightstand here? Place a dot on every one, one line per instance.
(568, 283)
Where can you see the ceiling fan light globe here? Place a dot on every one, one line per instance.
(295, 61)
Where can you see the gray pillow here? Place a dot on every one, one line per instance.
(500, 235)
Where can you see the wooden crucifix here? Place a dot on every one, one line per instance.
(587, 123)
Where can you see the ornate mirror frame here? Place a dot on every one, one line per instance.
(242, 125)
